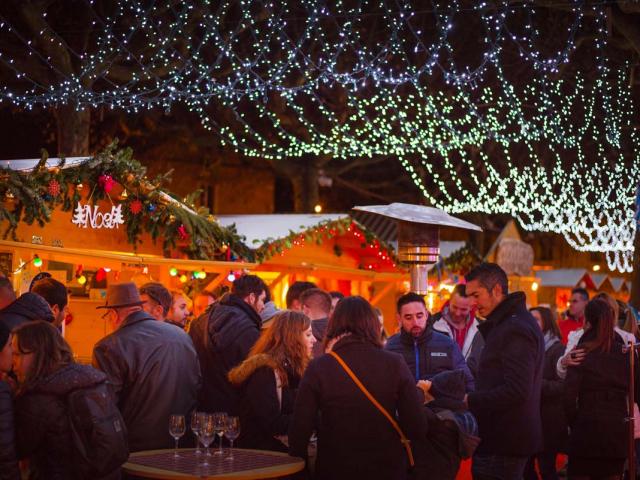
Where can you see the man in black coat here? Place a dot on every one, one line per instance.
(506, 401)
(224, 340)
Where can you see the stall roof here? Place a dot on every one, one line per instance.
(258, 229)
(598, 279)
(27, 164)
(564, 277)
(618, 283)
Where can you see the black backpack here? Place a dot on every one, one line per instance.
(98, 432)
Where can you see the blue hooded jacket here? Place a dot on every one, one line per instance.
(429, 354)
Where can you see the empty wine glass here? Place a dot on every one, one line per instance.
(207, 433)
(232, 432)
(220, 425)
(195, 428)
(177, 428)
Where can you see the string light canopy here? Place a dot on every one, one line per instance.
(135, 55)
(558, 157)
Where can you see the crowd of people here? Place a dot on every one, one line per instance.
(486, 377)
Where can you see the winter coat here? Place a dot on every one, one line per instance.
(232, 328)
(43, 432)
(28, 306)
(473, 342)
(554, 421)
(355, 440)
(263, 414)
(428, 354)
(8, 459)
(155, 373)
(506, 402)
(596, 403)
(319, 329)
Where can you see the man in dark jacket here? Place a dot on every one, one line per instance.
(224, 340)
(152, 366)
(316, 304)
(426, 352)
(506, 402)
(29, 306)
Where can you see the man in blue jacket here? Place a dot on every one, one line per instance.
(426, 352)
(506, 402)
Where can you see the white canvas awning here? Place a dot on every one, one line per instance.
(26, 164)
(258, 229)
(618, 283)
(564, 277)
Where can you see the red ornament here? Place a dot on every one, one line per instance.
(135, 206)
(182, 232)
(54, 188)
(106, 182)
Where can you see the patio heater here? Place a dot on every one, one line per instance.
(416, 229)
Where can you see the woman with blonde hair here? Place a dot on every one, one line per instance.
(269, 378)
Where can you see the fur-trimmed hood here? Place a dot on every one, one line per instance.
(242, 372)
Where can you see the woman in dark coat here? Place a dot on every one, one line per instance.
(47, 374)
(355, 440)
(554, 423)
(8, 460)
(269, 378)
(596, 399)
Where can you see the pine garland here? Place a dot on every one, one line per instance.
(320, 233)
(25, 197)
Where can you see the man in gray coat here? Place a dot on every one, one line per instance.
(152, 367)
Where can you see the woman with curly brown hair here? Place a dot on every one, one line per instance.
(269, 378)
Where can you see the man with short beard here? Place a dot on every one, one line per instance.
(56, 295)
(458, 322)
(224, 341)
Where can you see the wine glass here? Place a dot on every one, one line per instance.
(220, 425)
(207, 433)
(232, 432)
(177, 429)
(195, 428)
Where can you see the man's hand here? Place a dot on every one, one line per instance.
(466, 401)
(573, 358)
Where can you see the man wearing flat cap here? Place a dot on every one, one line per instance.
(152, 366)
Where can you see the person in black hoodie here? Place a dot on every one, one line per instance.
(596, 399)
(268, 380)
(29, 306)
(47, 374)
(224, 341)
(554, 422)
(506, 401)
(355, 439)
(8, 459)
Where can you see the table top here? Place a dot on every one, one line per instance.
(246, 465)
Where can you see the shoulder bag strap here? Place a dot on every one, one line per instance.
(405, 441)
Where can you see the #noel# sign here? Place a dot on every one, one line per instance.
(85, 216)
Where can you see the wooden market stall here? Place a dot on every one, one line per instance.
(91, 222)
(330, 250)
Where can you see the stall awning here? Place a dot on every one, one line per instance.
(259, 229)
(116, 259)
